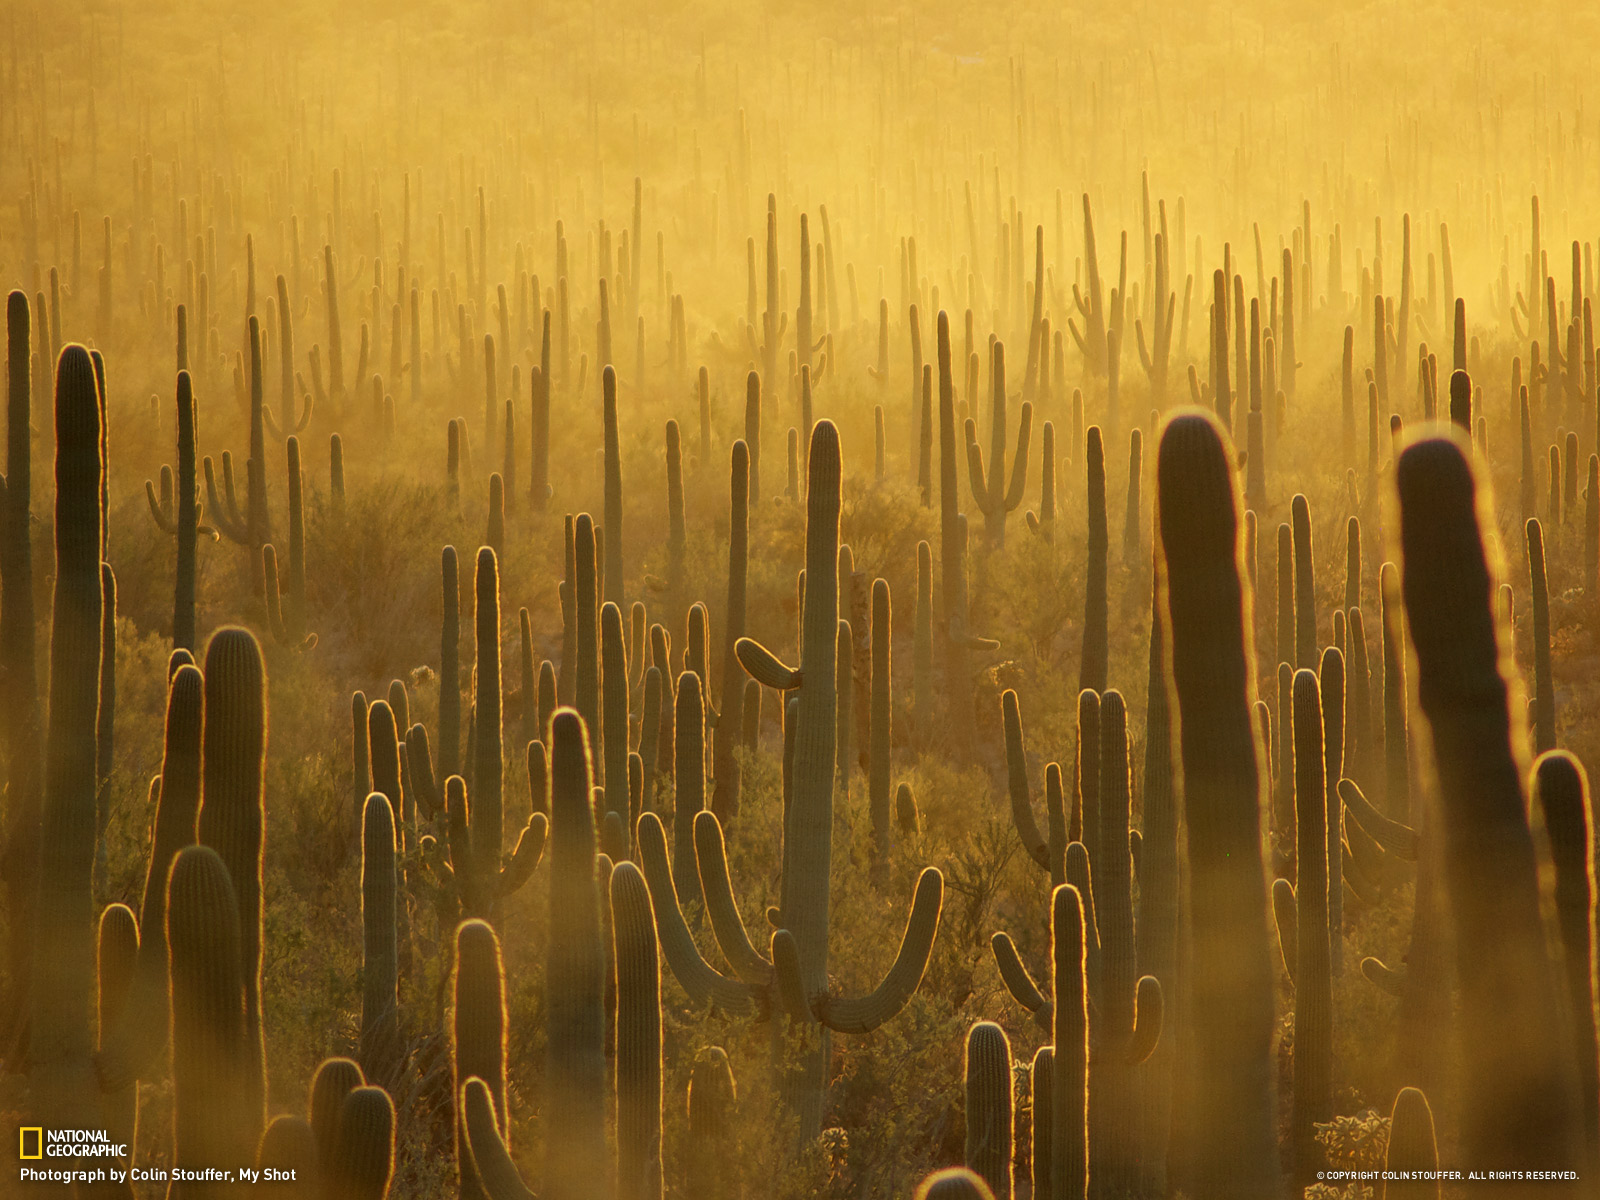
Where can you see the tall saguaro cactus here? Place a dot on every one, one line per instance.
(61, 1044)
(1235, 1154)
(19, 860)
(800, 948)
(1519, 1103)
(731, 678)
(575, 974)
(233, 812)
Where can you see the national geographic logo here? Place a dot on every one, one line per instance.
(35, 1142)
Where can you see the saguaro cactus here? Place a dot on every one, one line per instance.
(1069, 1079)
(1313, 975)
(61, 1044)
(380, 980)
(638, 1036)
(1130, 1007)
(800, 948)
(731, 676)
(1212, 675)
(1519, 1102)
(20, 861)
(990, 493)
(1562, 788)
(574, 974)
(989, 1115)
(140, 1032)
(710, 1169)
(233, 811)
(478, 1039)
(216, 1076)
(1094, 665)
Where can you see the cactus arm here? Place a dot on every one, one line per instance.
(1388, 980)
(459, 841)
(765, 667)
(722, 907)
(1148, 1008)
(1394, 836)
(980, 486)
(1017, 783)
(424, 786)
(225, 520)
(1019, 464)
(525, 858)
(786, 970)
(1144, 353)
(1019, 982)
(490, 1158)
(272, 423)
(164, 521)
(1284, 913)
(865, 1013)
(704, 983)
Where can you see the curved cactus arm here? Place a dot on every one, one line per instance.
(863, 1014)
(1144, 352)
(1014, 974)
(765, 667)
(975, 476)
(1397, 838)
(1387, 979)
(526, 856)
(273, 427)
(704, 983)
(971, 641)
(1285, 913)
(224, 518)
(490, 1158)
(723, 909)
(280, 631)
(1019, 464)
(1072, 328)
(1135, 849)
(1033, 841)
(164, 520)
(1148, 1008)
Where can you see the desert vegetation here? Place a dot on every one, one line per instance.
(623, 602)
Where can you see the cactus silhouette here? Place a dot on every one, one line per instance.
(61, 1044)
(1519, 1100)
(1212, 669)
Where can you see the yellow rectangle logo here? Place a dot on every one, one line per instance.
(37, 1140)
